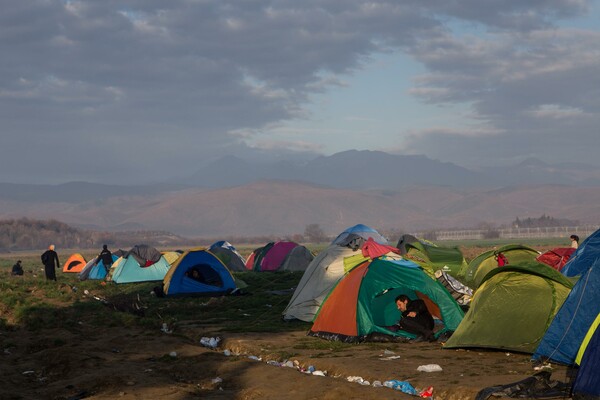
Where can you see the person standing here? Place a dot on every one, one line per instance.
(574, 241)
(106, 257)
(50, 261)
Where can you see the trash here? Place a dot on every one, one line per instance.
(288, 364)
(427, 393)
(357, 379)
(388, 352)
(273, 362)
(216, 380)
(365, 383)
(173, 354)
(210, 342)
(319, 373)
(165, 328)
(401, 385)
(255, 358)
(429, 368)
(390, 358)
(226, 352)
(28, 372)
(377, 384)
(542, 367)
(311, 369)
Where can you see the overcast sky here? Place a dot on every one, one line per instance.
(141, 90)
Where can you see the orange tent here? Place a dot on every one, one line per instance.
(75, 263)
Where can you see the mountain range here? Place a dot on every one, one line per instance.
(236, 197)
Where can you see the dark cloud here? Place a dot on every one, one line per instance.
(114, 90)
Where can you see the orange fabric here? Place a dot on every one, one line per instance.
(338, 312)
(372, 249)
(75, 263)
(431, 306)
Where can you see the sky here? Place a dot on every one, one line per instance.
(146, 90)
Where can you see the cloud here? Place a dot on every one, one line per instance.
(143, 89)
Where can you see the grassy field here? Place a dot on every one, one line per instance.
(32, 302)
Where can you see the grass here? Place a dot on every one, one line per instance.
(33, 303)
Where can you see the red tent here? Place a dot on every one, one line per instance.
(556, 258)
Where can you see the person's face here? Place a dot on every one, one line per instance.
(401, 305)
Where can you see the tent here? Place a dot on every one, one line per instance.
(587, 381)
(570, 325)
(318, 279)
(171, 256)
(74, 263)
(482, 264)
(95, 269)
(512, 308)
(359, 231)
(274, 255)
(430, 256)
(585, 255)
(362, 302)
(198, 272)
(142, 263)
(556, 258)
(228, 255)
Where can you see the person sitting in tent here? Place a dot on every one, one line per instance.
(416, 318)
(500, 259)
(17, 269)
(106, 257)
(574, 241)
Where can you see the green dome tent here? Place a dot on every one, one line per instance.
(515, 254)
(512, 308)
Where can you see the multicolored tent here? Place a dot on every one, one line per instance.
(431, 256)
(363, 301)
(512, 308)
(516, 254)
(318, 279)
(75, 263)
(198, 272)
(556, 258)
(142, 263)
(274, 255)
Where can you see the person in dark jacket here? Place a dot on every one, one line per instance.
(17, 269)
(50, 261)
(416, 318)
(106, 257)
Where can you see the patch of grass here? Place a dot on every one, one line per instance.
(319, 344)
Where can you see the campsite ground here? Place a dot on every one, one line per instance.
(57, 342)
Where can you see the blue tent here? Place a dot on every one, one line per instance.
(94, 269)
(140, 264)
(587, 382)
(570, 325)
(361, 231)
(198, 272)
(585, 255)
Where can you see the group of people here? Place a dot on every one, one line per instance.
(50, 260)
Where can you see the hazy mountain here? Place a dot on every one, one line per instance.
(282, 208)
(351, 169)
(366, 169)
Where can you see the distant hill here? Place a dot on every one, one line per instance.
(363, 170)
(281, 207)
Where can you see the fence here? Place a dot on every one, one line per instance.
(511, 233)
